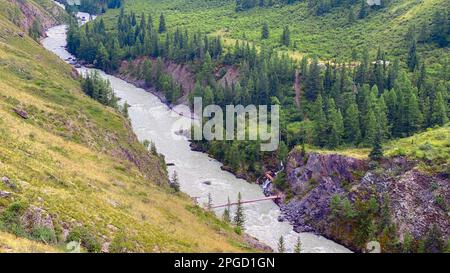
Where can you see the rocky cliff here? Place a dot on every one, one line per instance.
(354, 201)
(23, 13)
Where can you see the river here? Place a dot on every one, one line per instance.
(153, 120)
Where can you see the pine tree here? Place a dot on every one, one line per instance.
(265, 31)
(313, 81)
(382, 119)
(208, 96)
(35, 30)
(143, 23)
(351, 16)
(102, 57)
(371, 128)
(286, 36)
(392, 75)
(162, 24)
(148, 72)
(320, 122)
(226, 213)
(413, 58)
(282, 151)
(153, 149)
(409, 118)
(125, 108)
(239, 217)
(422, 76)
(412, 112)
(175, 183)
(303, 151)
(352, 131)
(150, 23)
(281, 247)
(440, 28)
(363, 9)
(407, 243)
(298, 246)
(115, 54)
(377, 151)
(438, 110)
(335, 125)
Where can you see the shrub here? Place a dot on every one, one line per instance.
(238, 230)
(87, 239)
(280, 182)
(121, 244)
(10, 219)
(43, 234)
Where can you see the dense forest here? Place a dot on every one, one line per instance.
(339, 104)
(317, 7)
(92, 6)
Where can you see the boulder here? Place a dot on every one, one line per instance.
(8, 182)
(36, 217)
(21, 113)
(5, 194)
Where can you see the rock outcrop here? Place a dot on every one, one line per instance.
(36, 217)
(314, 179)
(417, 200)
(46, 14)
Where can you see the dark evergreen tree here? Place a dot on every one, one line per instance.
(352, 131)
(298, 246)
(363, 9)
(413, 58)
(239, 217)
(281, 246)
(351, 16)
(377, 151)
(175, 183)
(320, 122)
(148, 72)
(226, 213)
(162, 24)
(440, 28)
(286, 36)
(265, 31)
(335, 125)
(438, 108)
(313, 81)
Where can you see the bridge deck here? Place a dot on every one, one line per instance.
(247, 201)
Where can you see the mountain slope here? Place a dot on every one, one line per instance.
(72, 169)
(329, 36)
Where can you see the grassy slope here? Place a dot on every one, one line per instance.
(68, 158)
(431, 147)
(328, 36)
(11, 243)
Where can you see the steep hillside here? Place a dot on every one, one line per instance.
(364, 82)
(330, 36)
(401, 201)
(43, 13)
(355, 201)
(71, 169)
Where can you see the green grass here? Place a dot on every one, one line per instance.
(71, 158)
(430, 148)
